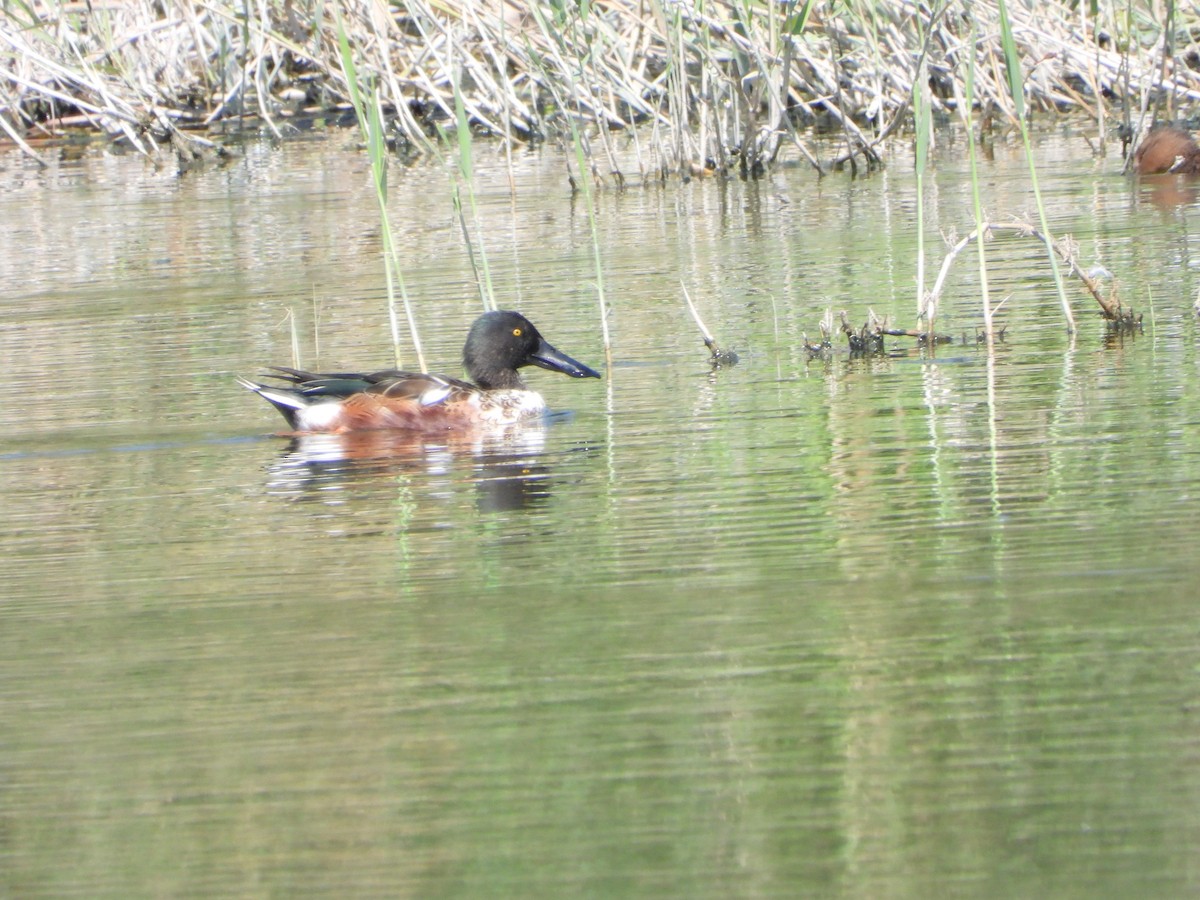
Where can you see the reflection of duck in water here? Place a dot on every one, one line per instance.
(1167, 149)
(497, 345)
(504, 465)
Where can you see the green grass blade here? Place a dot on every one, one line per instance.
(976, 200)
(1016, 85)
(369, 114)
(466, 168)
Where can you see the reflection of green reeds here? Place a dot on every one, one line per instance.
(370, 120)
(1016, 88)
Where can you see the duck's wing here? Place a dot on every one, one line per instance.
(318, 385)
(424, 389)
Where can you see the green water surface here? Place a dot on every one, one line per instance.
(903, 626)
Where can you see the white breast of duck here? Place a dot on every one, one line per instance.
(506, 406)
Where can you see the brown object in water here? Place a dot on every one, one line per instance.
(1167, 149)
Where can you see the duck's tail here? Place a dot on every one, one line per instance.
(286, 400)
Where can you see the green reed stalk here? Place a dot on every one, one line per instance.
(316, 316)
(591, 61)
(676, 78)
(924, 123)
(868, 17)
(585, 185)
(370, 121)
(295, 330)
(483, 272)
(1016, 87)
(1101, 108)
(976, 202)
(1166, 61)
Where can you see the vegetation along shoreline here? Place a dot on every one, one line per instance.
(722, 87)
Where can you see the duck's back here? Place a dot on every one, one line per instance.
(1167, 149)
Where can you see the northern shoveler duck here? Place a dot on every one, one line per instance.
(1167, 149)
(498, 344)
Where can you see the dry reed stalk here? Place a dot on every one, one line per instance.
(1065, 249)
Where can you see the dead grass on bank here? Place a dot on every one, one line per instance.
(723, 87)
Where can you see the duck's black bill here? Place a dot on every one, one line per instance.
(556, 361)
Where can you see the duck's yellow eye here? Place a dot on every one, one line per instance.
(516, 332)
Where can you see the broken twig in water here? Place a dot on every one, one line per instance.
(719, 357)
